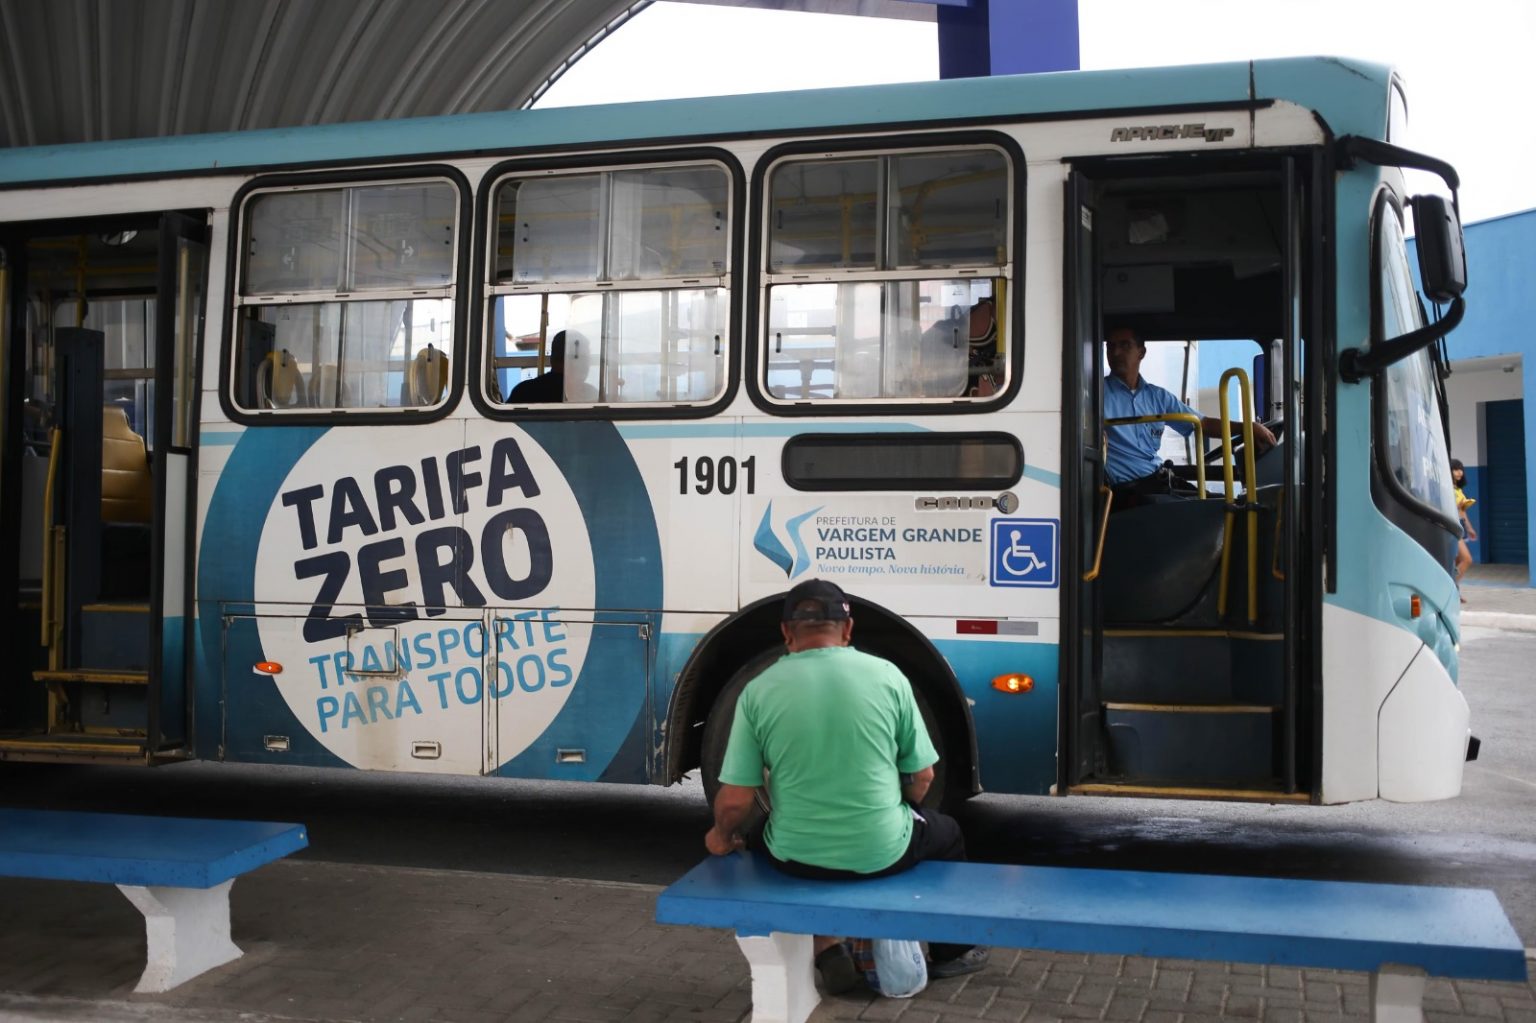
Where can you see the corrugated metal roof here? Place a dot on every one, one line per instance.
(92, 70)
(89, 70)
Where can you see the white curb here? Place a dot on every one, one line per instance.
(1499, 620)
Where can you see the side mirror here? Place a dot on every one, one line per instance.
(1442, 259)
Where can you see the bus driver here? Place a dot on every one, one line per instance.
(1133, 462)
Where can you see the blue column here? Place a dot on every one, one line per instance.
(1006, 37)
(1528, 393)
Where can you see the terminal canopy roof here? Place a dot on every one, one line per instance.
(110, 69)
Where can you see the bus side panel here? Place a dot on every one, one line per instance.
(1424, 730)
(1015, 732)
(1363, 658)
(371, 556)
(956, 549)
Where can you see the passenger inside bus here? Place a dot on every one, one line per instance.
(548, 386)
(1133, 464)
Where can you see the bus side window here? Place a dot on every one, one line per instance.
(632, 264)
(347, 297)
(890, 317)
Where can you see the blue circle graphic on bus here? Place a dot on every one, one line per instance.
(435, 592)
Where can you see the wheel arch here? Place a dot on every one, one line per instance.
(877, 630)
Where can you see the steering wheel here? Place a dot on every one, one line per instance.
(1275, 426)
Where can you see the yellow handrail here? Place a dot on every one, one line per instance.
(55, 443)
(1228, 488)
(1098, 555)
(1174, 417)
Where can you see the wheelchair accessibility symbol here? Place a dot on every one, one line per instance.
(1024, 552)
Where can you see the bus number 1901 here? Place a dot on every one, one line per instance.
(716, 474)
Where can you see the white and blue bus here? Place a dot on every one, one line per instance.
(272, 493)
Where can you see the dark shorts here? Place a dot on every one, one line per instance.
(1162, 482)
(935, 836)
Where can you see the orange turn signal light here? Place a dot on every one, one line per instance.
(1014, 682)
(267, 667)
(1415, 607)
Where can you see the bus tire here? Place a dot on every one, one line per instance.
(717, 732)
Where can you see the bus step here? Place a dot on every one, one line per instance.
(1148, 790)
(115, 636)
(94, 676)
(1214, 666)
(74, 748)
(1209, 745)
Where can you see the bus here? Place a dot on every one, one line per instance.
(270, 497)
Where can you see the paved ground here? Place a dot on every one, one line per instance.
(347, 942)
(1495, 591)
(400, 944)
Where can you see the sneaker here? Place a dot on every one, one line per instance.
(970, 962)
(835, 965)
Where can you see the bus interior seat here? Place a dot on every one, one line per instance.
(327, 389)
(127, 507)
(280, 382)
(426, 379)
(127, 490)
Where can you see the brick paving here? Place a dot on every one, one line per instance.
(343, 942)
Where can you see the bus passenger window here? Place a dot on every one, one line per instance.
(890, 315)
(631, 266)
(347, 298)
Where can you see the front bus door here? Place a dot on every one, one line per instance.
(1083, 459)
(101, 324)
(1185, 670)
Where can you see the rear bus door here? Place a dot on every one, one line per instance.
(179, 291)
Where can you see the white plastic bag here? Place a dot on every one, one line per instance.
(901, 971)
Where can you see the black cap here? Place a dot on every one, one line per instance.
(832, 603)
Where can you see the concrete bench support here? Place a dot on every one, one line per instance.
(1397, 994)
(176, 870)
(188, 932)
(783, 976)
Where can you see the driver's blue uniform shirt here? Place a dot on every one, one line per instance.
(1133, 450)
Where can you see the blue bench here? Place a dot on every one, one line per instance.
(1398, 933)
(178, 871)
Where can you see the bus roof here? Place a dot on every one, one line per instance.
(1350, 96)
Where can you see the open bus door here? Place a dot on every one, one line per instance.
(1188, 673)
(102, 323)
(181, 278)
(1081, 743)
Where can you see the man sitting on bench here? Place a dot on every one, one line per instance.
(850, 761)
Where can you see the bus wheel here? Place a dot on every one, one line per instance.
(937, 791)
(717, 732)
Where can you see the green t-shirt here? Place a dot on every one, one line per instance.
(836, 728)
